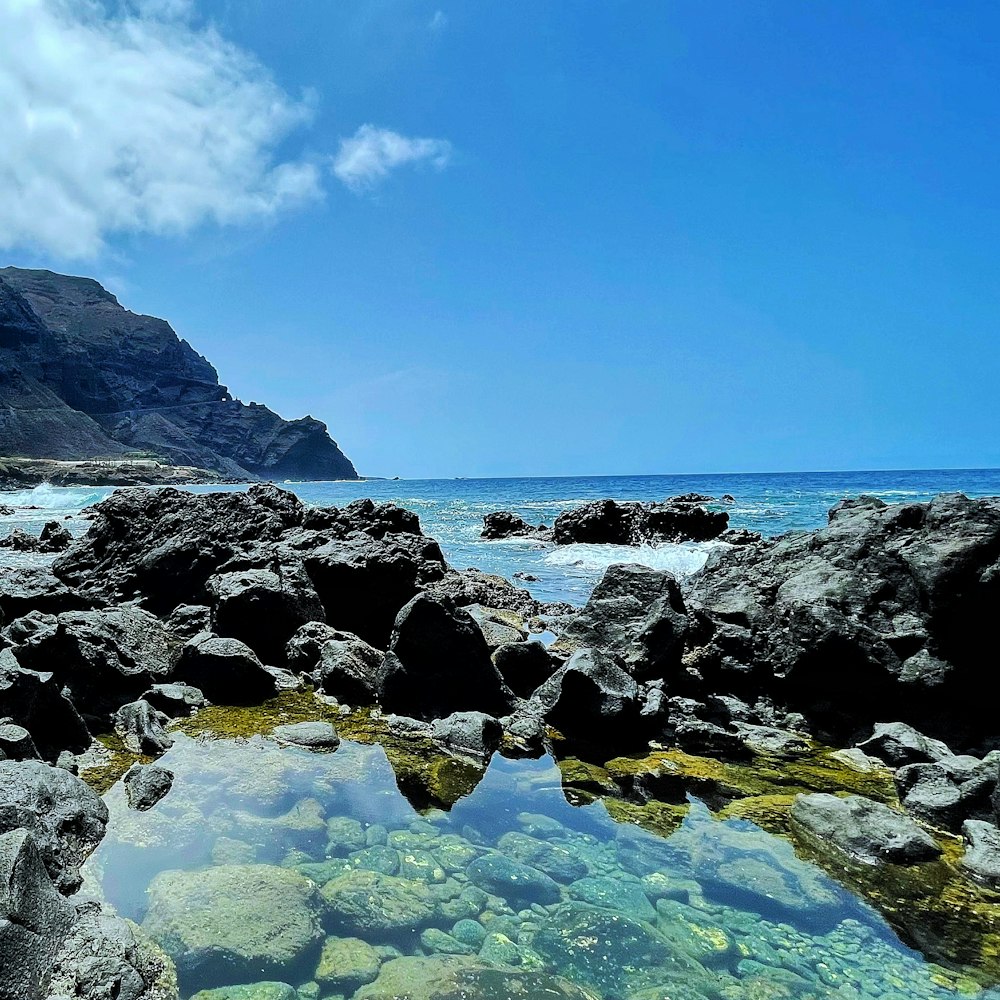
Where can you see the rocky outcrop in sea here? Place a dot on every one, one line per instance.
(821, 685)
(82, 378)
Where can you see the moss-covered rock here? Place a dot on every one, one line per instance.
(346, 963)
(365, 902)
(234, 922)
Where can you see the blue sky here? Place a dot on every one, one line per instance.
(576, 238)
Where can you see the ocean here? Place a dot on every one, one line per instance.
(452, 511)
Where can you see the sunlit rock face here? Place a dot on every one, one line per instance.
(82, 377)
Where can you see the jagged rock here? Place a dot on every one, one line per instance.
(638, 614)
(187, 620)
(37, 589)
(65, 817)
(499, 627)
(141, 728)
(53, 538)
(469, 732)
(162, 546)
(84, 377)
(226, 670)
(146, 784)
(19, 630)
(525, 666)
(262, 608)
(105, 657)
(883, 613)
(504, 524)
(34, 918)
(35, 701)
(349, 669)
(898, 744)
(364, 581)
(592, 698)
(438, 663)
(106, 957)
(16, 743)
(175, 700)
(614, 522)
(982, 853)
(302, 649)
(473, 586)
(863, 829)
(949, 790)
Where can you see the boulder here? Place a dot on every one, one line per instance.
(34, 918)
(499, 627)
(349, 669)
(105, 956)
(36, 702)
(898, 744)
(227, 671)
(469, 732)
(311, 735)
(146, 784)
(163, 546)
(19, 630)
(862, 829)
(982, 852)
(37, 589)
(363, 581)
(525, 666)
(592, 699)
(638, 614)
(519, 884)
(614, 522)
(504, 524)
(187, 620)
(881, 614)
(447, 977)
(347, 963)
(65, 817)
(472, 586)
(438, 663)
(175, 700)
(949, 790)
(372, 903)
(16, 743)
(141, 728)
(263, 608)
(302, 649)
(104, 657)
(230, 923)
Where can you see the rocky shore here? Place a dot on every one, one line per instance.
(825, 686)
(25, 473)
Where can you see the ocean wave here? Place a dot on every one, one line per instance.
(45, 496)
(681, 559)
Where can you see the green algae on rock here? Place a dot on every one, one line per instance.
(229, 922)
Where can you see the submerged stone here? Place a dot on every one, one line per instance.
(251, 991)
(510, 879)
(346, 963)
(449, 977)
(366, 902)
(553, 860)
(233, 921)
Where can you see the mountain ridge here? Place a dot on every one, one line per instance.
(82, 377)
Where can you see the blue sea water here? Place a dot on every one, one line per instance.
(452, 511)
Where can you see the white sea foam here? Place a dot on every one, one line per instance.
(45, 496)
(681, 559)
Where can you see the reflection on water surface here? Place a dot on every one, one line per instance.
(274, 873)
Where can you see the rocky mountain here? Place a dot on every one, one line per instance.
(82, 377)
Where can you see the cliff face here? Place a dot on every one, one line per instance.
(82, 377)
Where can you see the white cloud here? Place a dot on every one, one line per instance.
(135, 120)
(367, 158)
(439, 21)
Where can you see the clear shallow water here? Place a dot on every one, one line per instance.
(270, 863)
(452, 511)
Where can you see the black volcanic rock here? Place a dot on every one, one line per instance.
(613, 522)
(82, 377)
